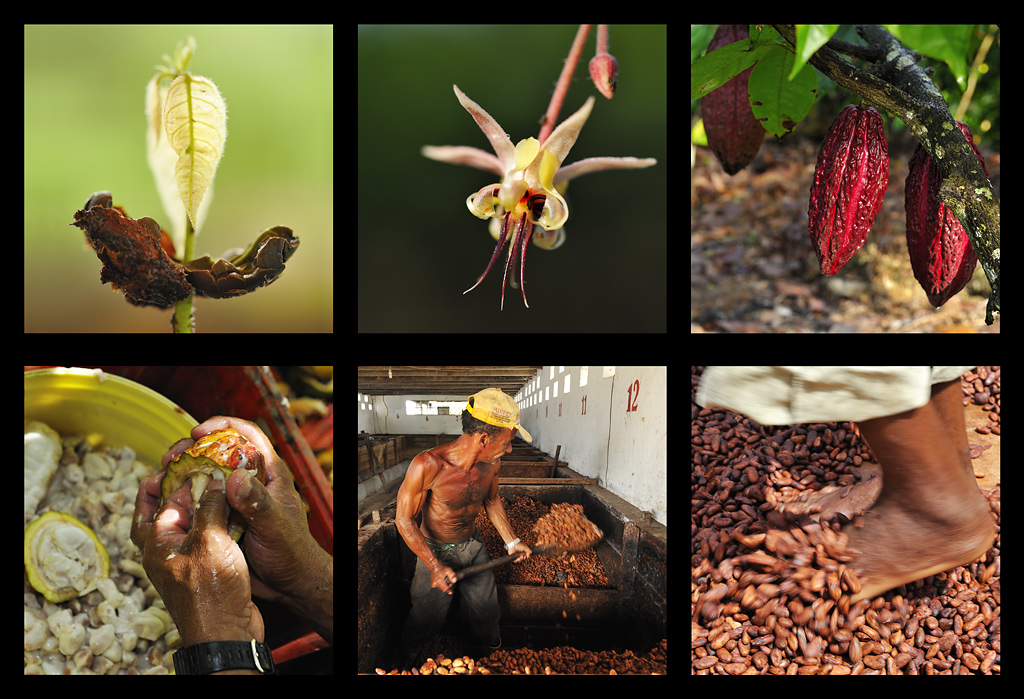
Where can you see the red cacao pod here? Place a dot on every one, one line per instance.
(849, 183)
(734, 134)
(940, 253)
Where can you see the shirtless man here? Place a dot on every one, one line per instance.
(448, 485)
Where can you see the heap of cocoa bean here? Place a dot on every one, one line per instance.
(566, 527)
(579, 569)
(981, 387)
(562, 660)
(573, 661)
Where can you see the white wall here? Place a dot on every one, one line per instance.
(614, 428)
(610, 421)
(386, 415)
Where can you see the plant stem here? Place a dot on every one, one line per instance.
(562, 88)
(602, 39)
(182, 320)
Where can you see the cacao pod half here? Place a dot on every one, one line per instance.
(849, 183)
(214, 456)
(734, 134)
(940, 252)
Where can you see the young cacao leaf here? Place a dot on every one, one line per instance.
(195, 121)
(162, 160)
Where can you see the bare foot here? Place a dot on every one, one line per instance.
(903, 542)
(930, 515)
(835, 500)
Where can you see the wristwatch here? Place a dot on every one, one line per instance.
(204, 658)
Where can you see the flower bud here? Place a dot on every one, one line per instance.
(604, 70)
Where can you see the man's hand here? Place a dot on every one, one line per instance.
(443, 578)
(524, 549)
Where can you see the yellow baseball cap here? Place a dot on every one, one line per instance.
(495, 408)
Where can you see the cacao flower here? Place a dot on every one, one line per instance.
(733, 131)
(527, 204)
(940, 252)
(849, 183)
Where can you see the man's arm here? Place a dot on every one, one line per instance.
(496, 513)
(411, 497)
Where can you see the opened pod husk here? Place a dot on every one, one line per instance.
(214, 456)
(63, 557)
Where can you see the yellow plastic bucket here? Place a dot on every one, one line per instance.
(108, 410)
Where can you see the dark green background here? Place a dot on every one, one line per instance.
(419, 247)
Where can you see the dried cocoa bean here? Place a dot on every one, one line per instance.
(734, 134)
(940, 252)
(849, 182)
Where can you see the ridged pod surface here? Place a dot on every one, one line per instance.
(940, 253)
(734, 134)
(849, 183)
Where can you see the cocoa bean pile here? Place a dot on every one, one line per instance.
(572, 661)
(771, 596)
(441, 666)
(579, 569)
(981, 387)
(563, 660)
(566, 527)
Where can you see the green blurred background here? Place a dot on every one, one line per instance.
(420, 247)
(85, 131)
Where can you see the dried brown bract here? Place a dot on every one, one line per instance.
(133, 260)
(258, 266)
(138, 258)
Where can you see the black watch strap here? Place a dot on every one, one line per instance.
(204, 658)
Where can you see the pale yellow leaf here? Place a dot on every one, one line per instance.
(195, 121)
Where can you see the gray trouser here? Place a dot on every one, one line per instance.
(478, 595)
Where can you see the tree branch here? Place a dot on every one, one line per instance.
(896, 83)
